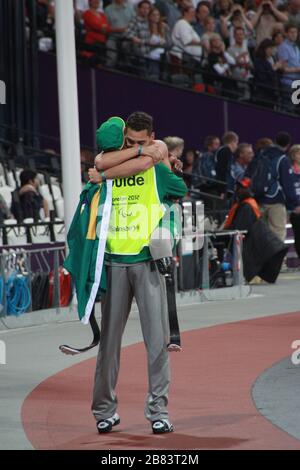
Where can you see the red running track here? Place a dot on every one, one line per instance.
(210, 398)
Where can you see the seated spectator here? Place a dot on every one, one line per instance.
(119, 14)
(44, 14)
(266, 17)
(160, 37)
(244, 156)
(31, 202)
(263, 252)
(185, 38)
(4, 210)
(294, 154)
(289, 55)
(265, 74)
(97, 29)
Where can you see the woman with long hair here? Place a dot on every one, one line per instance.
(266, 74)
(159, 41)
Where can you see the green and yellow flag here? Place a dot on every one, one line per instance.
(86, 242)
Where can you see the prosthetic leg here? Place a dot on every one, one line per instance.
(165, 267)
(70, 350)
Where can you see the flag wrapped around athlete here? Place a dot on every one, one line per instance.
(86, 241)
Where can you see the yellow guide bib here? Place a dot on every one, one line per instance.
(136, 212)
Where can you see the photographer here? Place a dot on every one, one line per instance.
(266, 17)
(238, 19)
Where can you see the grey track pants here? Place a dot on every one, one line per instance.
(148, 288)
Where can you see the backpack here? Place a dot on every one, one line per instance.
(264, 176)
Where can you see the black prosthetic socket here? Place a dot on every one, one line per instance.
(165, 267)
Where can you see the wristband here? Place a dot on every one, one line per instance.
(140, 150)
(103, 177)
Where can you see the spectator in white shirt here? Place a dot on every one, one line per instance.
(185, 38)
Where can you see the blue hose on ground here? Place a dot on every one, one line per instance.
(17, 294)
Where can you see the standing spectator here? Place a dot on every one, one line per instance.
(160, 37)
(224, 159)
(289, 53)
(135, 3)
(202, 11)
(205, 165)
(222, 8)
(138, 31)
(239, 51)
(188, 165)
(209, 30)
(294, 154)
(238, 19)
(83, 5)
(220, 65)
(280, 194)
(185, 38)
(277, 38)
(119, 14)
(244, 156)
(31, 202)
(265, 74)
(175, 146)
(294, 12)
(169, 10)
(265, 19)
(97, 29)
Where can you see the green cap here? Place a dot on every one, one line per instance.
(110, 135)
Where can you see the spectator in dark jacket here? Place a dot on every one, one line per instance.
(265, 73)
(224, 159)
(31, 202)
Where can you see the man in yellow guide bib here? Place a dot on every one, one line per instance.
(138, 208)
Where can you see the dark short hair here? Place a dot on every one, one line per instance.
(140, 121)
(263, 46)
(142, 3)
(26, 176)
(203, 4)
(283, 139)
(209, 139)
(290, 25)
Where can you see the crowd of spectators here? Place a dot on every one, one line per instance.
(241, 48)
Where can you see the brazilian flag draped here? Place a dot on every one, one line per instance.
(86, 240)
